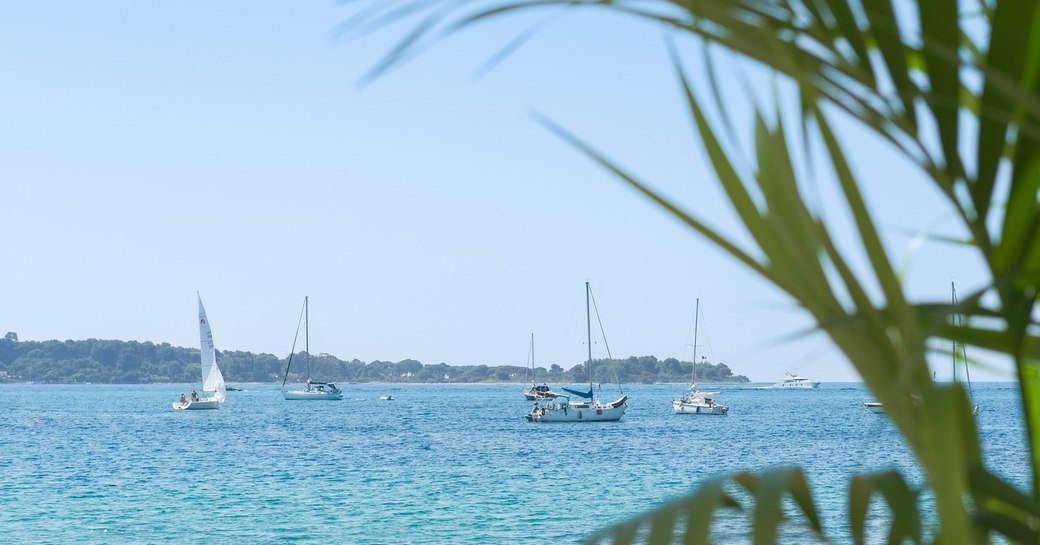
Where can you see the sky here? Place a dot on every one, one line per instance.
(150, 151)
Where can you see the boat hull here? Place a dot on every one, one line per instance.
(796, 385)
(204, 404)
(580, 412)
(874, 407)
(792, 381)
(303, 395)
(536, 393)
(681, 407)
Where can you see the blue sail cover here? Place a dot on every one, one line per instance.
(586, 395)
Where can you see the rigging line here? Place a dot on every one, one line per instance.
(293, 351)
(686, 343)
(959, 321)
(707, 339)
(529, 370)
(967, 372)
(603, 334)
(307, 335)
(955, 323)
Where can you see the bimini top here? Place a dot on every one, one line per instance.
(586, 395)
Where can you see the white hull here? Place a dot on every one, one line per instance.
(797, 385)
(539, 392)
(579, 412)
(304, 395)
(698, 407)
(877, 408)
(796, 382)
(698, 402)
(205, 403)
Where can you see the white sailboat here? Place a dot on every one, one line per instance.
(536, 391)
(212, 379)
(590, 409)
(695, 401)
(313, 390)
(958, 351)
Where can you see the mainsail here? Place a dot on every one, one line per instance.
(212, 380)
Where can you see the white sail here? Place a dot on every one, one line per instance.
(212, 380)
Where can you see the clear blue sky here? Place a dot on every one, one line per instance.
(149, 150)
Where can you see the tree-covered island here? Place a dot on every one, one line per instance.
(133, 362)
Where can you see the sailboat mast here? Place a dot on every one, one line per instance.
(588, 323)
(964, 352)
(307, 335)
(696, 322)
(953, 318)
(530, 362)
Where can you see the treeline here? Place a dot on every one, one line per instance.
(122, 362)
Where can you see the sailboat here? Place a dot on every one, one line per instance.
(313, 390)
(536, 391)
(560, 409)
(695, 401)
(212, 380)
(957, 351)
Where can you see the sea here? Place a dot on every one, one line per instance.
(439, 464)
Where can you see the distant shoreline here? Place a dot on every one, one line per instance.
(99, 361)
(751, 385)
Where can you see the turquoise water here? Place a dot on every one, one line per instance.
(441, 464)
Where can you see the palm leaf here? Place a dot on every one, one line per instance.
(886, 33)
(940, 32)
(848, 29)
(696, 511)
(853, 55)
(1006, 55)
(689, 219)
(901, 501)
(766, 490)
(1002, 509)
(952, 445)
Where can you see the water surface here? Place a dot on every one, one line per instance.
(440, 464)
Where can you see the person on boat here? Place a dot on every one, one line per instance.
(194, 395)
(183, 399)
